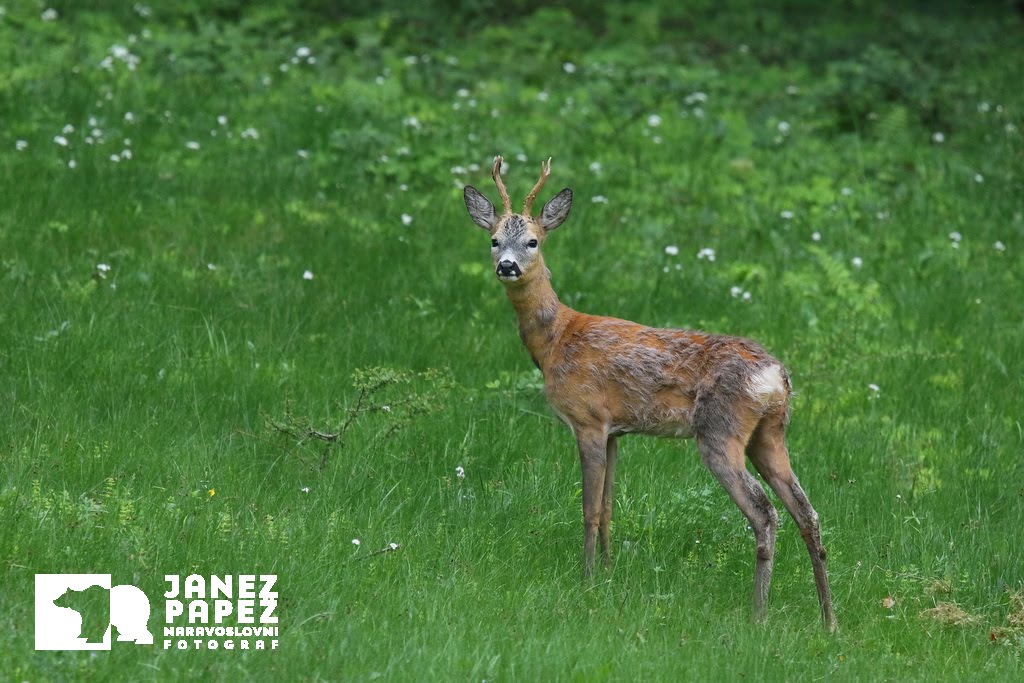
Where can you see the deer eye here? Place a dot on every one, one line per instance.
(532, 244)
(494, 243)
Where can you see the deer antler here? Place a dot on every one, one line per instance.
(496, 175)
(545, 171)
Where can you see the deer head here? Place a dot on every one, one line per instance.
(516, 237)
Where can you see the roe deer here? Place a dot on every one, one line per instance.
(606, 377)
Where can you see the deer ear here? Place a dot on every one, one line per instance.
(556, 210)
(480, 208)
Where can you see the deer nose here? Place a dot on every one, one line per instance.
(508, 268)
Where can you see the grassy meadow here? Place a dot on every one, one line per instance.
(225, 226)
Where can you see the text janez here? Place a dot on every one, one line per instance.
(240, 607)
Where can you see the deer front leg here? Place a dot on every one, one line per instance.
(593, 461)
(606, 501)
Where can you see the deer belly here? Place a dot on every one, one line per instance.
(657, 421)
(679, 430)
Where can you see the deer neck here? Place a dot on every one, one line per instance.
(539, 313)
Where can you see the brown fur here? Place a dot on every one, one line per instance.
(606, 377)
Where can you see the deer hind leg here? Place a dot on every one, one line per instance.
(769, 455)
(593, 446)
(724, 457)
(612, 454)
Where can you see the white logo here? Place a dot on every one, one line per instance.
(221, 612)
(77, 611)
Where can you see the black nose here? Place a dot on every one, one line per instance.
(509, 269)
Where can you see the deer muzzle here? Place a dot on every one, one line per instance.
(508, 270)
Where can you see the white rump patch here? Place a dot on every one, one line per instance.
(767, 384)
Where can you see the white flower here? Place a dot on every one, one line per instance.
(521, 158)
(302, 154)
(251, 133)
(999, 246)
(222, 120)
(460, 473)
(60, 140)
(129, 117)
(792, 90)
(543, 96)
(706, 253)
(213, 266)
(955, 236)
(412, 122)
(846, 191)
(815, 236)
(72, 163)
(783, 127)
(656, 139)
(882, 215)
(653, 120)
(49, 14)
(458, 170)
(874, 388)
(103, 267)
(746, 296)
(305, 489)
(411, 60)
(857, 262)
(983, 107)
(938, 138)
(599, 199)
(403, 187)
(307, 275)
(406, 219)
(569, 68)
(302, 52)
(122, 54)
(115, 158)
(68, 129)
(192, 144)
(403, 151)
(787, 215)
(696, 97)
(393, 546)
(595, 167)
(20, 145)
(356, 542)
(672, 250)
(462, 92)
(735, 290)
(978, 178)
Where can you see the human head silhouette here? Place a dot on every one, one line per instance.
(129, 614)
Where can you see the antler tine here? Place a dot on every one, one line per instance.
(545, 171)
(496, 175)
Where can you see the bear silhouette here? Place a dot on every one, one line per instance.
(93, 605)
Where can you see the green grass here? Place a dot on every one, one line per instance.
(126, 396)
